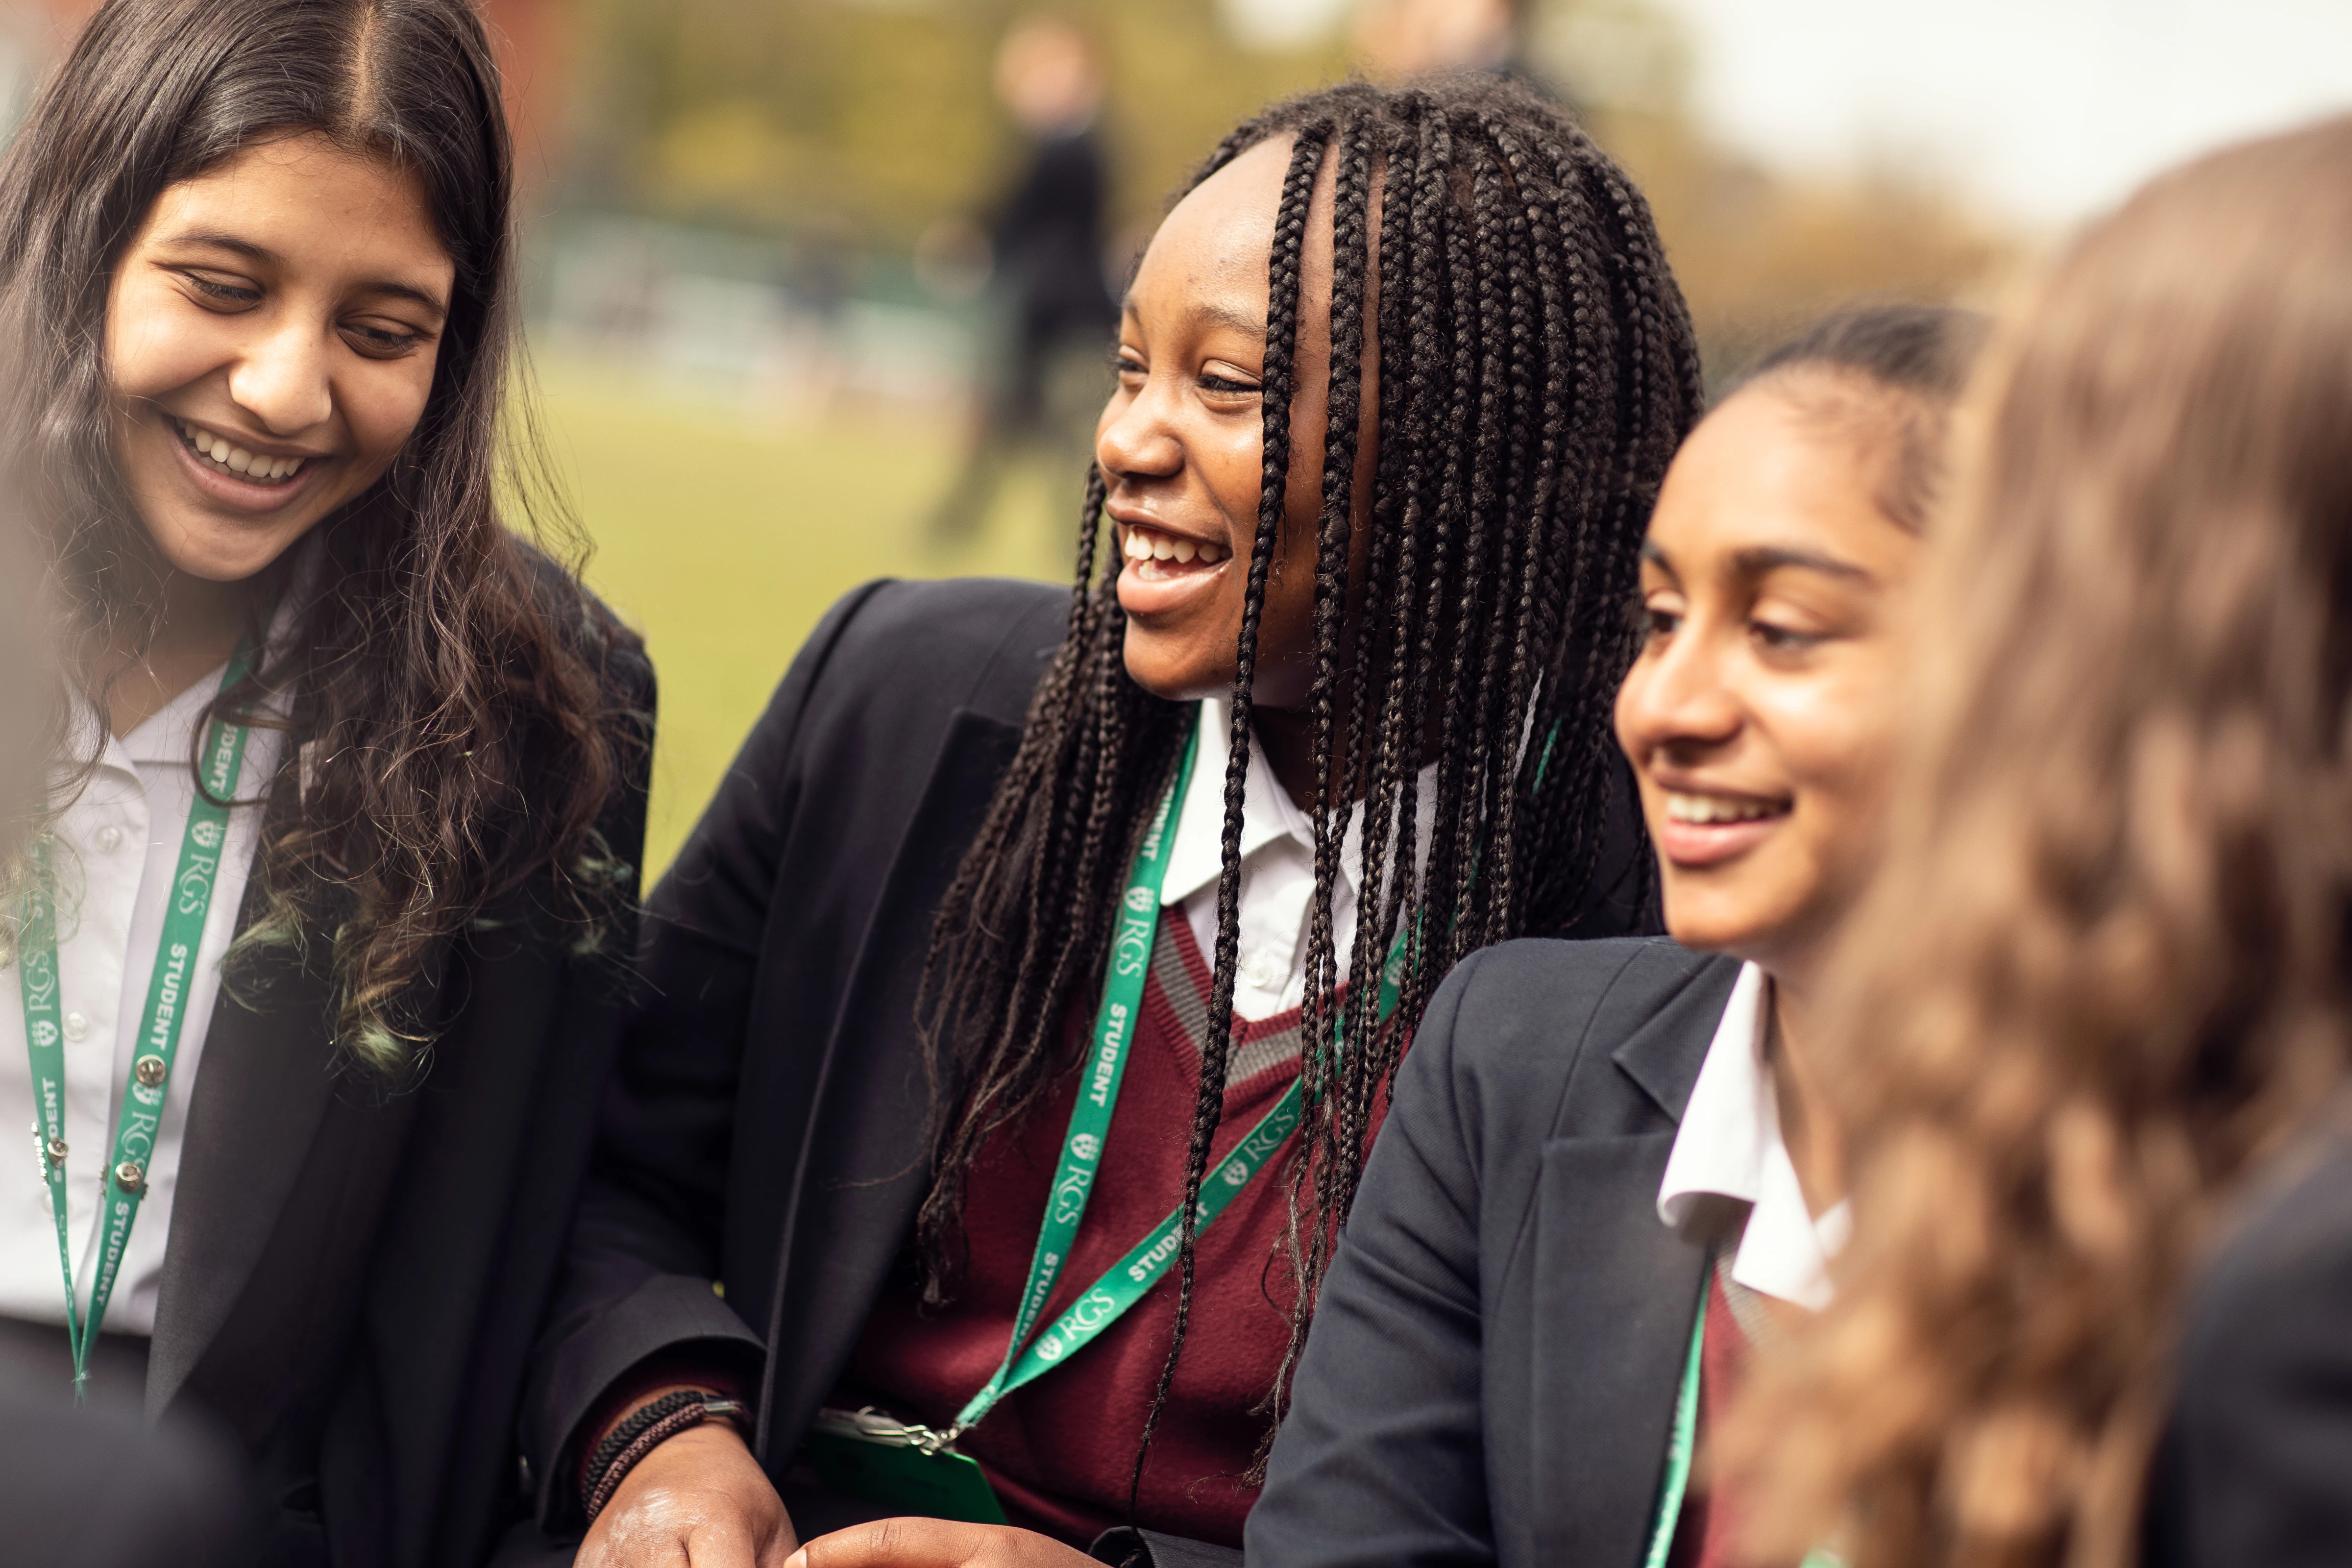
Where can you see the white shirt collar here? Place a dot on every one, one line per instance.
(1267, 812)
(1729, 1144)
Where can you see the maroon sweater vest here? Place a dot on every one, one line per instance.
(1060, 1451)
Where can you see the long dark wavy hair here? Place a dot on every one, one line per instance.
(2100, 975)
(1536, 371)
(441, 664)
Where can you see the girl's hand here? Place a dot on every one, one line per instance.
(699, 1501)
(935, 1543)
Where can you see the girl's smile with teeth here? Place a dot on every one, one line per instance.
(1157, 556)
(1686, 807)
(1700, 829)
(228, 458)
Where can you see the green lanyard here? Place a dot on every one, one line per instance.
(221, 759)
(1682, 1444)
(1133, 1276)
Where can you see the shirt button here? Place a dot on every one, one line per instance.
(110, 839)
(76, 1025)
(1258, 969)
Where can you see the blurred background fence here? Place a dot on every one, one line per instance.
(769, 336)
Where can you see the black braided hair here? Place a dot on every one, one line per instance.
(1537, 372)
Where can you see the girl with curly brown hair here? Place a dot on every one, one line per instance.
(2101, 973)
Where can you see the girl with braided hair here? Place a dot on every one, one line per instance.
(1398, 378)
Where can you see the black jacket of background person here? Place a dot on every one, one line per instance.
(2256, 1469)
(1048, 238)
(1498, 1344)
(353, 1276)
(765, 1127)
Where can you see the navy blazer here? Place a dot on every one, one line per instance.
(2255, 1469)
(352, 1275)
(1492, 1371)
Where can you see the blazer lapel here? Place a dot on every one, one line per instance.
(871, 1099)
(1615, 1295)
(264, 1080)
(1664, 1054)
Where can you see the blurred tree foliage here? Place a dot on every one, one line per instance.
(1756, 252)
(876, 116)
(863, 122)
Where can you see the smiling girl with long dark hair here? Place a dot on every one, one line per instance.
(306, 1002)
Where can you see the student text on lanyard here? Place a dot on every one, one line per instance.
(159, 1022)
(1133, 1276)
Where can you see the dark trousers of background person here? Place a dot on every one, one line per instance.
(1057, 376)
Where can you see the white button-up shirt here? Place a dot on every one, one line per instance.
(1277, 890)
(1729, 1144)
(116, 851)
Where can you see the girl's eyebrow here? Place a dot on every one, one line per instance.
(1224, 315)
(1215, 313)
(1755, 562)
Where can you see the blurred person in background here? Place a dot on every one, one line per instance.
(1603, 1180)
(310, 982)
(2097, 1019)
(1397, 39)
(1047, 249)
(1001, 1068)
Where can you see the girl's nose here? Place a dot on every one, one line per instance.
(1134, 440)
(1677, 696)
(282, 380)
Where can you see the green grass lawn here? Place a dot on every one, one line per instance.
(722, 537)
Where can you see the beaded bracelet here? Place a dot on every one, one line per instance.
(644, 1429)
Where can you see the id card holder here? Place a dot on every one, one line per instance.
(869, 1456)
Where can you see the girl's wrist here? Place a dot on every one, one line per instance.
(655, 1379)
(644, 1426)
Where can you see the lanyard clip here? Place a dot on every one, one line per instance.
(929, 1444)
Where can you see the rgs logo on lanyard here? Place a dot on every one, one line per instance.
(160, 1025)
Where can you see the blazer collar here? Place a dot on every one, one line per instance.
(1664, 1053)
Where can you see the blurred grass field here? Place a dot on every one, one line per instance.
(722, 536)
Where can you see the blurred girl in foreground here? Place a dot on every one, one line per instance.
(2102, 975)
(1605, 1171)
(346, 779)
